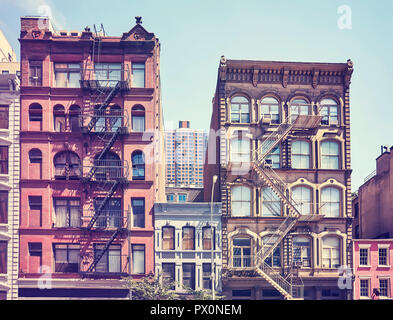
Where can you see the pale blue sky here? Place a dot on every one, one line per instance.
(194, 34)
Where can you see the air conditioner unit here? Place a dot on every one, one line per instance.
(334, 122)
(268, 163)
(266, 119)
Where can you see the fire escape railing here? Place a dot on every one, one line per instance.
(106, 172)
(273, 180)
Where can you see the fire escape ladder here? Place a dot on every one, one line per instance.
(103, 251)
(103, 204)
(104, 105)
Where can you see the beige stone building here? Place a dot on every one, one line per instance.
(280, 145)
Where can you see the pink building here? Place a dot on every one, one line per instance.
(373, 269)
(90, 104)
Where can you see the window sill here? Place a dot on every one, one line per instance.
(364, 298)
(364, 266)
(384, 266)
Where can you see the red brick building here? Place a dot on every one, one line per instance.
(90, 104)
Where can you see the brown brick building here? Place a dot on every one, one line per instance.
(280, 145)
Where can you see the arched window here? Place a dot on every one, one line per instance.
(240, 148)
(271, 203)
(330, 155)
(241, 201)
(299, 106)
(35, 164)
(188, 238)
(59, 118)
(241, 252)
(115, 118)
(35, 117)
(330, 202)
(300, 157)
(240, 110)
(207, 237)
(67, 166)
(330, 252)
(301, 251)
(109, 167)
(270, 110)
(329, 111)
(74, 115)
(168, 238)
(303, 198)
(138, 165)
(273, 259)
(138, 118)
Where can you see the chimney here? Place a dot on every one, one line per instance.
(30, 23)
(383, 161)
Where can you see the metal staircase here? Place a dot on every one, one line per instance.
(270, 178)
(109, 174)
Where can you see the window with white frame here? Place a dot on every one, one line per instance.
(330, 252)
(300, 156)
(363, 256)
(270, 110)
(302, 197)
(302, 251)
(329, 112)
(382, 256)
(330, 155)
(271, 203)
(330, 202)
(240, 110)
(299, 107)
(241, 201)
(67, 75)
(241, 252)
(240, 148)
(364, 288)
(384, 288)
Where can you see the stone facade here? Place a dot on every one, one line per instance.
(253, 100)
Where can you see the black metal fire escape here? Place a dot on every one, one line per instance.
(102, 126)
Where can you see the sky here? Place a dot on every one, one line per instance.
(194, 35)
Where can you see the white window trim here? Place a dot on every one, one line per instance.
(384, 246)
(369, 288)
(389, 287)
(368, 257)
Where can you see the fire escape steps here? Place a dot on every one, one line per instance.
(104, 136)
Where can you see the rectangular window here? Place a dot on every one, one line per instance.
(35, 211)
(364, 288)
(384, 290)
(35, 76)
(382, 256)
(4, 117)
(138, 258)
(138, 212)
(168, 238)
(188, 240)
(110, 261)
(207, 238)
(206, 275)
(182, 197)
(189, 275)
(66, 258)
(110, 215)
(168, 274)
(108, 74)
(138, 75)
(241, 252)
(363, 256)
(67, 212)
(67, 75)
(3, 160)
(35, 257)
(3, 206)
(3, 257)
